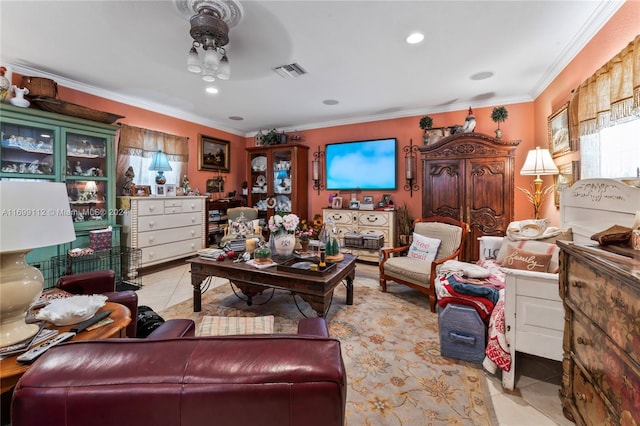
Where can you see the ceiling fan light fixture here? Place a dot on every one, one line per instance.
(224, 69)
(193, 61)
(210, 33)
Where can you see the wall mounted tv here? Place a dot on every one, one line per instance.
(365, 165)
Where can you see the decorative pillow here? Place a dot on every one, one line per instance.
(529, 261)
(424, 248)
(531, 246)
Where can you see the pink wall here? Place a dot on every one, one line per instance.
(619, 31)
(527, 122)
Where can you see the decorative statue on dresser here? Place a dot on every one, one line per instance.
(186, 187)
(128, 181)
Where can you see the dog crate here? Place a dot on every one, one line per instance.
(462, 333)
(124, 261)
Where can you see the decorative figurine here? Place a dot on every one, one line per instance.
(185, 185)
(128, 181)
(5, 84)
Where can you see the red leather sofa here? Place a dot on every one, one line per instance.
(257, 380)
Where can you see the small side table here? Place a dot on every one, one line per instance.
(11, 370)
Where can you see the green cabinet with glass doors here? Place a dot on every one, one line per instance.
(44, 146)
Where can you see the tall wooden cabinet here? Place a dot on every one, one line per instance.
(470, 177)
(600, 291)
(278, 179)
(39, 145)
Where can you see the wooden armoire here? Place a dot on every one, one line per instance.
(470, 177)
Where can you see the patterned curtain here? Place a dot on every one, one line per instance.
(136, 147)
(611, 94)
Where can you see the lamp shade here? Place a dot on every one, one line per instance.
(159, 162)
(539, 162)
(34, 214)
(91, 186)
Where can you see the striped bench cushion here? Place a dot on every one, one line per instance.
(225, 326)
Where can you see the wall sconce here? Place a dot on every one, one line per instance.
(538, 162)
(316, 165)
(410, 168)
(160, 164)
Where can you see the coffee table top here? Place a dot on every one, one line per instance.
(11, 370)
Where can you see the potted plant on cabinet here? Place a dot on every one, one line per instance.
(499, 115)
(426, 123)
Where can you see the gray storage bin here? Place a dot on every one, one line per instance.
(462, 333)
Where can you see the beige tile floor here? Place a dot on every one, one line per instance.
(535, 400)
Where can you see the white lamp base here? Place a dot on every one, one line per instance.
(20, 285)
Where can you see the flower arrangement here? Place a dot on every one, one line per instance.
(280, 224)
(304, 232)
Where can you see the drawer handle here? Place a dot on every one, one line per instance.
(193, 220)
(372, 218)
(583, 341)
(581, 396)
(151, 255)
(152, 224)
(152, 239)
(152, 208)
(336, 216)
(577, 284)
(193, 233)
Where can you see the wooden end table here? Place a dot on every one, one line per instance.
(11, 370)
(317, 291)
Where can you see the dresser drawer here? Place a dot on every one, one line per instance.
(344, 218)
(600, 296)
(614, 373)
(150, 207)
(165, 252)
(592, 408)
(184, 204)
(374, 220)
(164, 236)
(153, 223)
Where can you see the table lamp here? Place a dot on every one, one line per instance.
(160, 164)
(34, 214)
(282, 175)
(538, 163)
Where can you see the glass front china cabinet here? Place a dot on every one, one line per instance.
(38, 145)
(278, 179)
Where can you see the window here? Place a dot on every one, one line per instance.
(613, 152)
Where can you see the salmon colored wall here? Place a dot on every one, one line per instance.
(517, 127)
(619, 31)
(527, 122)
(162, 123)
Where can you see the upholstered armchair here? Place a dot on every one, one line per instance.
(102, 282)
(251, 217)
(411, 265)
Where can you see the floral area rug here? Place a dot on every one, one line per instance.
(391, 349)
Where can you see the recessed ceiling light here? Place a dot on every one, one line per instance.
(482, 75)
(236, 118)
(415, 38)
(211, 90)
(330, 102)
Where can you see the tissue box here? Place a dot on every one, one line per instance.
(100, 239)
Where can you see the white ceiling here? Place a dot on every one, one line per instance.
(354, 51)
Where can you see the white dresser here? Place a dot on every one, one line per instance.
(363, 222)
(164, 228)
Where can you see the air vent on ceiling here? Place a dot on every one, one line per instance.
(290, 71)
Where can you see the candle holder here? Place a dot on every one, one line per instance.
(410, 168)
(316, 165)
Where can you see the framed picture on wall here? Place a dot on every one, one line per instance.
(569, 173)
(213, 154)
(558, 131)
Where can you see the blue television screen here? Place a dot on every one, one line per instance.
(365, 165)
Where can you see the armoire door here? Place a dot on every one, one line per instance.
(469, 177)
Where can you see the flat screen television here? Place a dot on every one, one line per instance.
(364, 165)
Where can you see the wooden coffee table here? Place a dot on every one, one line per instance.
(11, 370)
(317, 291)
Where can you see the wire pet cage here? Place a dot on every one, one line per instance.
(123, 260)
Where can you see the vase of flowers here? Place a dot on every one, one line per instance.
(283, 228)
(304, 234)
